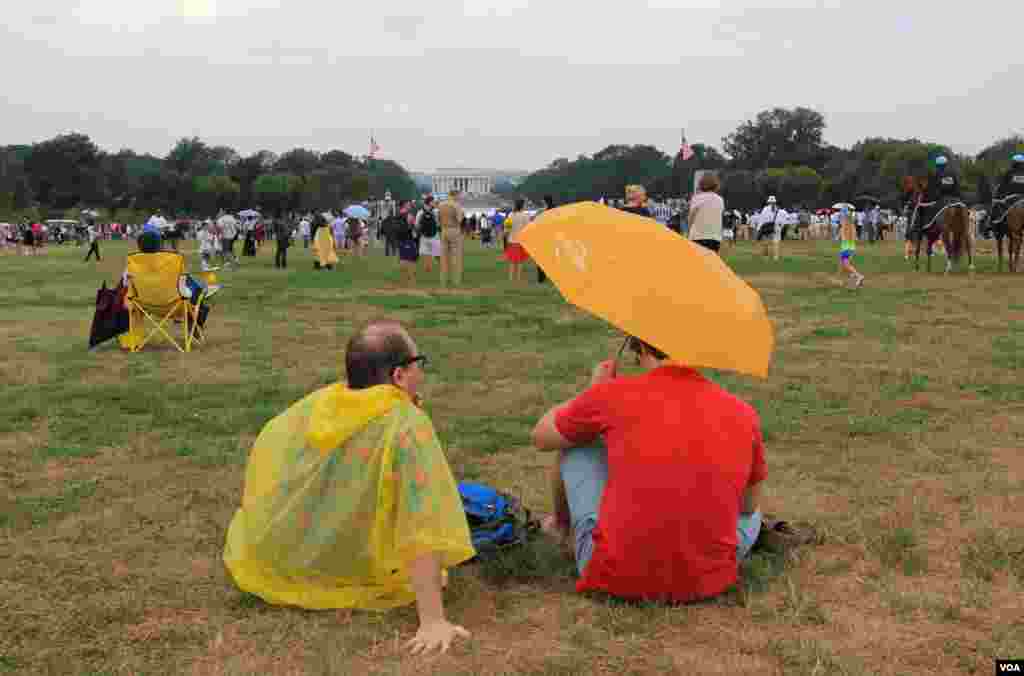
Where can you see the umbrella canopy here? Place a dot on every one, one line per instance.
(650, 282)
(249, 213)
(840, 205)
(357, 211)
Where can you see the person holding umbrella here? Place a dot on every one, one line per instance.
(658, 477)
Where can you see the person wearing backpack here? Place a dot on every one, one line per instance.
(405, 239)
(430, 234)
(658, 480)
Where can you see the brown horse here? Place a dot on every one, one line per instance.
(952, 224)
(956, 235)
(1012, 226)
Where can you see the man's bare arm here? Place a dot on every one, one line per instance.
(751, 500)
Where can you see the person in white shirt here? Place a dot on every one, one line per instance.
(228, 225)
(207, 247)
(429, 231)
(304, 232)
(770, 225)
(338, 228)
(94, 244)
(705, 214)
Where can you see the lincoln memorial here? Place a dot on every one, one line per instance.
(468, 181)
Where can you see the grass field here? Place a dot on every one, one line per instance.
(894, 419)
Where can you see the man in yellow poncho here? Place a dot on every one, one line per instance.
(349, 501)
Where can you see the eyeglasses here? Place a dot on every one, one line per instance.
(421, 358)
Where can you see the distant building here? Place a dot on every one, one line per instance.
(468, 181)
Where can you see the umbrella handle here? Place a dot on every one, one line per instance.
(622, 348)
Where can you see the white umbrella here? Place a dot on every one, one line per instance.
(840, 205)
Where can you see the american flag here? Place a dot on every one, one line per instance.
(685, 151)
(374, 148)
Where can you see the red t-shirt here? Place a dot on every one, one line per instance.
(681, 451)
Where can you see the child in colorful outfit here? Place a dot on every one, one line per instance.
(847, 247)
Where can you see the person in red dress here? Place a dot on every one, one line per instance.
(515, 254)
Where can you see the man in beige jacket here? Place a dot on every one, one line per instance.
(449, 216)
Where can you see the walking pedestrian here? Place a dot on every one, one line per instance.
(283, 233)
(94, 244)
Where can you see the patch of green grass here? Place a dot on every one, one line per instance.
(899, 549)
(539, 560)
(989, 551)
(9, 663)
(828, 332)
(485, 435)
(42, 508)
(908, 385)
(1008, 351)
(1000, 392)
(67, 451)
(873, 424)
(761, 569)
(20, 418)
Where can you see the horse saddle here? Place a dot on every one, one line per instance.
(1002, 206)
(939, 207)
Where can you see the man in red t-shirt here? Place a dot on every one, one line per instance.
(658, 479)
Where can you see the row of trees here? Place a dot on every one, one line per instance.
(59, 176)
(780, 152)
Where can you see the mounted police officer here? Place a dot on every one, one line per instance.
(1009, 192)
(943, 189)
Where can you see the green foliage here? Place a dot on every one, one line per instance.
(606, 174)
(777, 137)
(194, 179)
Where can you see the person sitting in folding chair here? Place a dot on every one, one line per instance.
(161, 296)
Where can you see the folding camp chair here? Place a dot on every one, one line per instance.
(160, 297)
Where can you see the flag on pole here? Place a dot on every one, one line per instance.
(374, 148)
(685, 151)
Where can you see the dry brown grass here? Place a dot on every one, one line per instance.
(894, 419)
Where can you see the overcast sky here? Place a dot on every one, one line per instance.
(502, 83)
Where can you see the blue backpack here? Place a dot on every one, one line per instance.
(496, 519)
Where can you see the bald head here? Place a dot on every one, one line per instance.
(374, 351)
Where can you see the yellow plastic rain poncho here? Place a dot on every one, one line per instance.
(323, 246)
(342, 490)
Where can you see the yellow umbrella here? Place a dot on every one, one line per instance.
(653, 284)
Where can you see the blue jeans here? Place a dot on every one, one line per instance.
(584, 474)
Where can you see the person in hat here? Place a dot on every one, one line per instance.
(1012, 182)
(771, 227)
(1008, 193)
(943, 188)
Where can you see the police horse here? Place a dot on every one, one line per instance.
(1006, 218)
(949, 220)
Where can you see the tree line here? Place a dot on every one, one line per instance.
(780, 152)
(65, 174)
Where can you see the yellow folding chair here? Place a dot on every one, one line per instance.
(159, 299)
